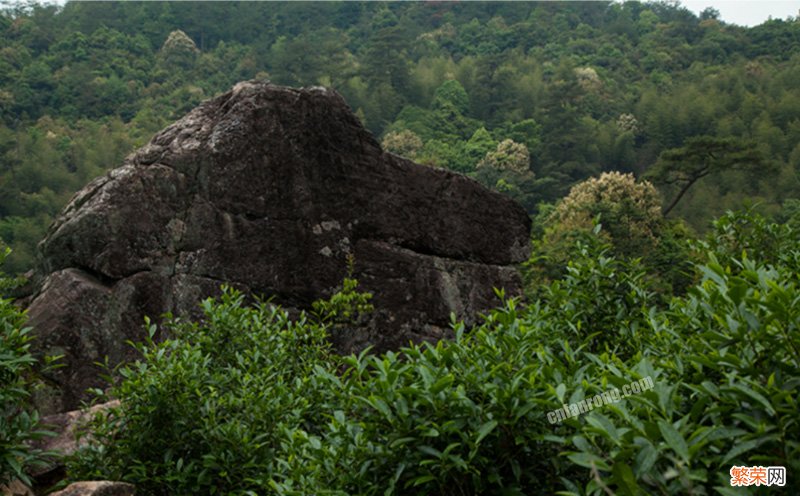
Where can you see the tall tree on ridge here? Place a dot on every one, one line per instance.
(701, 156)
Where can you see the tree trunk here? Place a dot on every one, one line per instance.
(679, 196)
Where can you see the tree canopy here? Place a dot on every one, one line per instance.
(702, 156)
(586, 87)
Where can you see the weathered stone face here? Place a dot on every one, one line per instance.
(98, 488)
(270, 189)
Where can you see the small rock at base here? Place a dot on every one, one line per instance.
(15, 488)
(98, 488)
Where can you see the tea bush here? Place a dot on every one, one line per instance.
(725, 365)
(251, 402)
(18, 419)
(204, 412)
(454, 418)
(724, 360)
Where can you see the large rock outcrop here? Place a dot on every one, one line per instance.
(270, 189)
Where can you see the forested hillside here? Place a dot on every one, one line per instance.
(529, 98)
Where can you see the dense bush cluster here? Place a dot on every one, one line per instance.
(18, 420)
(626, 214)
(252, 402)
(631, 207)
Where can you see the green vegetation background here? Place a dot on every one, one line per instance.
(579, 88)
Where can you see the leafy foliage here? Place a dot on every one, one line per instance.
(629, 210)
(205, 411)
(18, 420)
(404, 143)
(747, 234)
(253, 402)
(542, 96)
(509, 155)
(345, 306)
(626, 215)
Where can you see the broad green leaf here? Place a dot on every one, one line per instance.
(485, 429)
(442, 383)
(738, 449)
(626, 482)
(401, 441)
(588, 460)
(581, 443)
(561, 389)
(422, 480)
(429, 450)
(604, 425)
(645, 459)
(674, 439)
(754, 395)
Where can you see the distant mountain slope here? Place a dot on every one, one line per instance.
(578, 87)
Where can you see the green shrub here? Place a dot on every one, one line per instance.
(18, 419)
(725, 365)
(251, 402)
(602, 301)
(204, 411)
(672, 265)
(630, 211)
(724, 360)
(748, 234)
(626, 217)
(454, 418)
(347, 305)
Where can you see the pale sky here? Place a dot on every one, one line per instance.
(746, 13)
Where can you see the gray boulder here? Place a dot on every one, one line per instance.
(269, 189)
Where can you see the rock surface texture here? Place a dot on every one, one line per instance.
(15, 488)
(97, 488)
(269, 189)
(64, 443)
